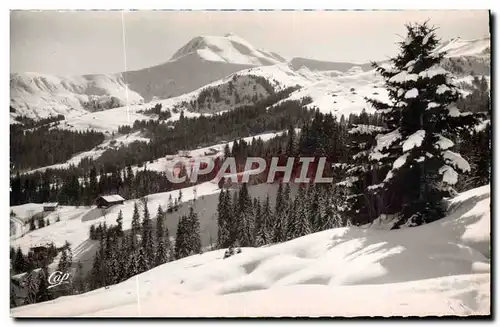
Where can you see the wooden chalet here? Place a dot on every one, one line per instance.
(106, 201)
(50, 206)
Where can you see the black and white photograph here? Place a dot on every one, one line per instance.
(250, 163)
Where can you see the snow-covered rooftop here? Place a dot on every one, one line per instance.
(112, 198)
(51, 204)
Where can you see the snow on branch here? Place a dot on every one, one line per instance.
(384, 141)
(426, 38)
(387, 68)
(450, 176)
(400, 161)
(403, 77)
(442, 89)
(443, 143)
(433, 71)
(349, 181)
(388, 176)
(375, 186)
(360, 154)
(453, 111)
(414, 140)
(432, 105)
(413, 93)
(482, 125)
(366, 129)
(456, 160)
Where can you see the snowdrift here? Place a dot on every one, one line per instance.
(442, 268)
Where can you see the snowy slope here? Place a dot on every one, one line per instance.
(340, 93)
(442, 268)
(207, 63)
(457, 47)
(319, 65)
(42, 95)
(77, 230)
(111, 143)
(165, 163)
(201, 61)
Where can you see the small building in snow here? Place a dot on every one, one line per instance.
(106, 201)
(50, 206)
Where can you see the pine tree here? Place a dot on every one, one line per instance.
(291, 146)
(63, 262)
(421, 119)
(96, 273)
(360, 204)
(43, 291)
(119, 224)
(20, 264)
(179, 202)
(142, 261)
(265, 231)
(193, 225)
(31, 286)
(170, 204)
(223, 219)
(299, 223)
(279, 216)
(13, 296)
(259, 223)
(79, 280)
(32, 224)
(147, 235)
(113, 269)
(161, 255)
(136, 224)
(181, 245)
(313, 199)
(245, 220)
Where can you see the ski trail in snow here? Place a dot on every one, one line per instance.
(125, 62)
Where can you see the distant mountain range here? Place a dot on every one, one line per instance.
(206, 60)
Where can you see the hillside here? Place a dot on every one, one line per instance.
(320, 65)
(201, 61)
(339, 272)
(208, 64)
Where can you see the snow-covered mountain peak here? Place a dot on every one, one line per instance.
(229, 48)
(457, 47)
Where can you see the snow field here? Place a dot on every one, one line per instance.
(441, 268)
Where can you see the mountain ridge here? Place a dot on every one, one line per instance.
(201, 61)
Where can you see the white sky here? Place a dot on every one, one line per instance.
(86, 42)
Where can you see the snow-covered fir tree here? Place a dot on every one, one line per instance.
(43, 293)
(162, 247)
(119, 226)
(193, 226)
(299, 222)
(245, 217)
(147, 236)
(279, 216)
(313, 199)
(31, 287)
(223, 219)
(136, 224)
(422, 120)
(187, 237)
(359, 204)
